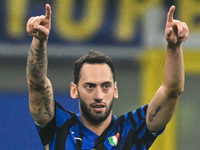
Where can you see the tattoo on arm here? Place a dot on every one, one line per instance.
(153, 113)
(37, 69)
(37, 63)
(34, 86)
(46, 101)
(46, 94)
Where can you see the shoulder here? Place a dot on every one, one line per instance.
(62, 115)
(137, 114)
(61, 122)
(133, 127)
(134, 118)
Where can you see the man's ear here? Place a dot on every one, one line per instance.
(116, 94)
(73, 90)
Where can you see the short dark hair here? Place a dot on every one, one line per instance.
(93, 57)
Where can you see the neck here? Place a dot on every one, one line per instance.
(97, 128)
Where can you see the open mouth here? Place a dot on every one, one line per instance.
(98, 107)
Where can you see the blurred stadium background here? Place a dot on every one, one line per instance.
(130, 31)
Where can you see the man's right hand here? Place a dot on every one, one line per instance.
(40, 26)
(176, 31)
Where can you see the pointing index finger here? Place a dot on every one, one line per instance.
(48, 12)
(170, 13)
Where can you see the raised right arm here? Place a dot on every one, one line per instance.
(41, 101)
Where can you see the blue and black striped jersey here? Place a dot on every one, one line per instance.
(125, 132)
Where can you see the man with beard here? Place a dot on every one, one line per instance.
(95, 127)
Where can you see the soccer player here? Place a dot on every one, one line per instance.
(95, 127)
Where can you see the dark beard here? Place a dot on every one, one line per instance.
(94, 118)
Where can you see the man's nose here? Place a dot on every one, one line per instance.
(98, 95)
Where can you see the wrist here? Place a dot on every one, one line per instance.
(173, 45)
(38, 43)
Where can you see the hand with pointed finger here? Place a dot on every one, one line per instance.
(40, 26)
(176, 31)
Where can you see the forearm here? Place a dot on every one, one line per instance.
(174, 70)
(162, 106)
(36, 70)
(41, 101)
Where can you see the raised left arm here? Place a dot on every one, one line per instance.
(162, 106)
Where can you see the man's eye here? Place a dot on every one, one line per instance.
(89, 86)
(106, 86)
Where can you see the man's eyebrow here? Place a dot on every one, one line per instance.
(107, 82)
(90, 83)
